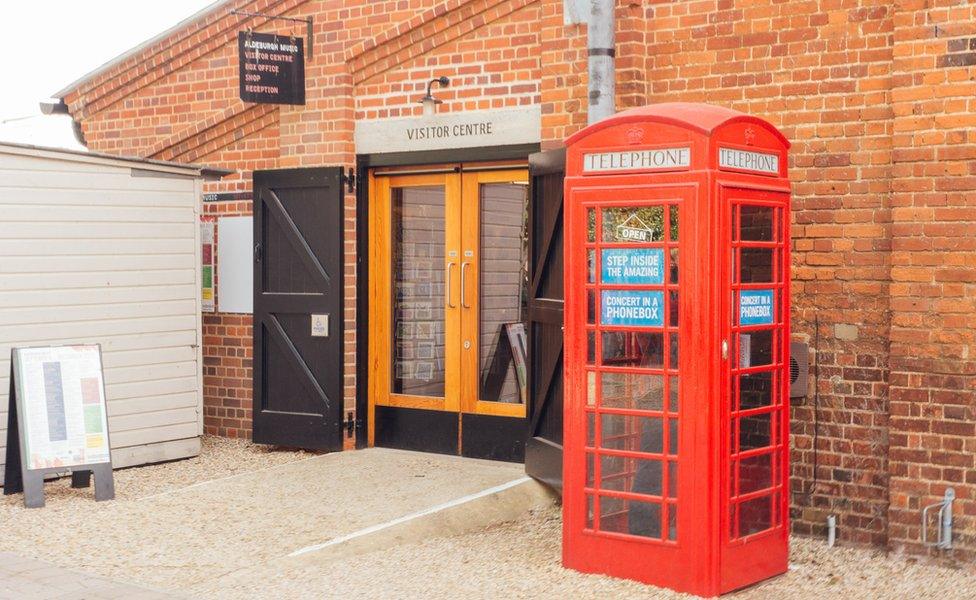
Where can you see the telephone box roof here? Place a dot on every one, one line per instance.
(704, 118)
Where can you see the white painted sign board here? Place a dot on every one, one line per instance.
(63, 402)
(643, 160)
(57, 421)
(320, 325)
(473, 129)
(733, 158)
(235, 264)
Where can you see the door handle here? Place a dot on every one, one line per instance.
(464, 266)
(257, 252)
(450, 265)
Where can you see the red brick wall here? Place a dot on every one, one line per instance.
(227, 351)
(562, 51)
(877, 97)
(933, 304)
(821, 72)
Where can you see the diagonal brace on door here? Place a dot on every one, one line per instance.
(295, 238)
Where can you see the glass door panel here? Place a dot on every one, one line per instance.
(414, 309)
(417, 308)
(632, 410)
(495, 268)
(758, 369)
(448, 293)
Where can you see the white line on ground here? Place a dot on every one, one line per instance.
(412, 516)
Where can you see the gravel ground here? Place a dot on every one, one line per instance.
(219, 457)
(74, 531)
(185, 523)
(212, 541)
(521, 560)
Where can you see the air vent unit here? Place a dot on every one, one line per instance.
(799, 369)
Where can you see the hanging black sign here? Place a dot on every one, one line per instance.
(272, 68)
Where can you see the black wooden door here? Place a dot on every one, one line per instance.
(544, 447)
(298, 320)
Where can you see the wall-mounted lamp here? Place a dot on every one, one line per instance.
(429, 101)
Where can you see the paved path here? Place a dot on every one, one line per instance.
(26, 578)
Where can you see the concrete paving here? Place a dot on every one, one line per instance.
(193, 535)
(27, 578)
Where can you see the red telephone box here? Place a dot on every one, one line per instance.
(676, 442)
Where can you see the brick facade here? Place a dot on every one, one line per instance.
(876, 96)
(933, 268)
(227, 353)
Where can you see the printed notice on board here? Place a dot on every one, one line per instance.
(633, 266)
(207, 303)
(637, 308)
(64, 417)
(756, 307)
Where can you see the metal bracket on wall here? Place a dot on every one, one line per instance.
(943, 538)
(350, 424)
(575, 12)
(350, 181)
(306, 20)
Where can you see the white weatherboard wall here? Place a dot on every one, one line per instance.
(98, 250)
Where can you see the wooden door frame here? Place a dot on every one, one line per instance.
(380, 290)
(471, 319)
(543, 446)
(364, 162)
(462, 230)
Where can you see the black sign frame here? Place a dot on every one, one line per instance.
(271, 68)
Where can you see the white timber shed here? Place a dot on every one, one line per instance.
(103, 249)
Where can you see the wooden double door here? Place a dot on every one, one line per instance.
(448, 289)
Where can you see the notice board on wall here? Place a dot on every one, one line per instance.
(57, 420)
(235, 264)
(272, 68)
(207, 266)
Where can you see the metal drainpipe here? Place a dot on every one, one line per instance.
(600, 47)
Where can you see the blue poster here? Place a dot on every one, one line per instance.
(632, 307)
(756, 307)
(633, 265)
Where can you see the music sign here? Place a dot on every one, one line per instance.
(272, 68)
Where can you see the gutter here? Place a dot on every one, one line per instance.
(57, 106)
(137, 165)
(602, 56)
